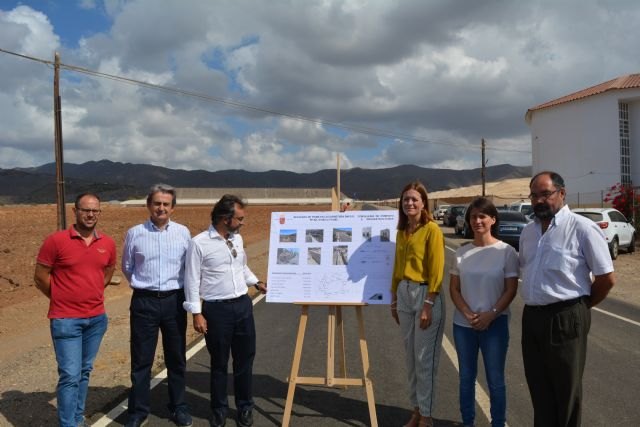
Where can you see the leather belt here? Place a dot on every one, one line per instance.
(155, 294)
(556, 305)
(228, 300)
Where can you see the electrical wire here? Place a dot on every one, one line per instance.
(267, 111)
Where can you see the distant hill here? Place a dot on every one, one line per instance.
(121, 181)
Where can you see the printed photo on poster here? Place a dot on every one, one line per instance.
(336, 257)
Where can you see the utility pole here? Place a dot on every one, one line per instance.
(482, 172)
(338, 178)
(57, 124)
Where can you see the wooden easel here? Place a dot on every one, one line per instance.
(334, 322)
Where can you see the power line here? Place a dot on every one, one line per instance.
(248, 107)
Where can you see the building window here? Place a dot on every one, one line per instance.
(625, 152)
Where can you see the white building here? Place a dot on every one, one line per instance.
(590, 137)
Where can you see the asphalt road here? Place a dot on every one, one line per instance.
(611, 382)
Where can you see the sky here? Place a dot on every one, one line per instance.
(381, 82)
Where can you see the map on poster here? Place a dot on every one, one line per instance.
(331, 257)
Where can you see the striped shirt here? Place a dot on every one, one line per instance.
(153, 259)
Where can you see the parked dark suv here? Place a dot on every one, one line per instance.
(510, 227)
(451, 214)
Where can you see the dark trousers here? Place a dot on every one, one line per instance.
(554, 351)
(230, 328)
(148, 315)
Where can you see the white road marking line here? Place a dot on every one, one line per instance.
(121, 407)
(624, 319)
(482, 398)
(479, 391)
(608, 313)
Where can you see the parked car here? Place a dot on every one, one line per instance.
(451, 214)
(510, 226)
(439, 213)
(461, 227)
(524, 207)
(618, 231)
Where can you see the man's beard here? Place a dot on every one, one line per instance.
(234, 230)
(543, 211)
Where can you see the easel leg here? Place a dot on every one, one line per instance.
(331, 343)
(295, 366)
(365, 370)
(341, 343)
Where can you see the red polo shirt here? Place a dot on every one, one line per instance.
(77, 274)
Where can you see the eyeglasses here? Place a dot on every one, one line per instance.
(239, 218)
(231, 248)
(544, 195)
(89, 211)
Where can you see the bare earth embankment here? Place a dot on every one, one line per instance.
(27, 362)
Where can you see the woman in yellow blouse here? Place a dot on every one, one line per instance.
(416, 304)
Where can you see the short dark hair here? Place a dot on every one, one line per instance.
(425, 215)
(556, 179)
(161, 188)
(85, 194)
(485, 206)
(225, 208)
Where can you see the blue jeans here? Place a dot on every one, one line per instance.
(493, 343)
(76, 343)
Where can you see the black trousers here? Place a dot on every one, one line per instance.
(148, 315)
(230, 330)
(554, 351)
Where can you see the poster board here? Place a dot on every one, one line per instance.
(329, 257)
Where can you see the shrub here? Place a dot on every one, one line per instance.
(625, 199)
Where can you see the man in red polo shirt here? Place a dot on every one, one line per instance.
(72, 269)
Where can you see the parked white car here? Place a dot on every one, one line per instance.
(524, 207)
(440, 211)
(618, 231)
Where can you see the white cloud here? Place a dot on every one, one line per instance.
(87, 4)
(443, 71)
(38, 38)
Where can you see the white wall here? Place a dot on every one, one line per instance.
(580, 141)
(634, 131)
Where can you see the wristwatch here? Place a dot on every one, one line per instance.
(256, 285)
(495, 311)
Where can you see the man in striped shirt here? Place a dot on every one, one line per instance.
(153, 261)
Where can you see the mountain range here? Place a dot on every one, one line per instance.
(122, 181)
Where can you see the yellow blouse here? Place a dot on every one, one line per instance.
(420, 257)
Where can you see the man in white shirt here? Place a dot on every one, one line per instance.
(153, 261)
(217, 273)
(558, 252)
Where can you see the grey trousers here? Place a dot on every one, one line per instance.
(422, 346)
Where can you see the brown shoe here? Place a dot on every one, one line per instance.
(415, 417)
(425, 422)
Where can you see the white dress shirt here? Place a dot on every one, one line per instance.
(153, 258)
(556, 266)
(212, 272)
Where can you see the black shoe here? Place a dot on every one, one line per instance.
(136, 422)
(181, 417)
(217, 419)
(245, 418)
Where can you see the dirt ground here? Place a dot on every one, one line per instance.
(27, 364)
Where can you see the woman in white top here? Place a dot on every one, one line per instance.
(484, 281)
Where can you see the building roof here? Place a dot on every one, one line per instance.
(630, 81)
